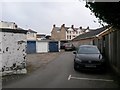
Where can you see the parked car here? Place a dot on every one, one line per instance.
(88, 57)
(69, 46)
(62, 46)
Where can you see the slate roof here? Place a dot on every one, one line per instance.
(41, 35)
(57, 28)
(32, 31)
(66, 28)
(90, 34)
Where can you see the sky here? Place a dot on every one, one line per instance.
(40, 15)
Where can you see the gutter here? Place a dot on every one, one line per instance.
(103, 31)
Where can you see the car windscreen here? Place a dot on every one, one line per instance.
(88, 50)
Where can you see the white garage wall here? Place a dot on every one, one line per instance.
(41, 47)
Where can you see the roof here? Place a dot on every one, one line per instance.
(47, 40)
(67, 28)
(41, 34)
(90, 34)
(13, 30)
(57, 28)
(32, 31)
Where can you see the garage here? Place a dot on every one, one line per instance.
(53, 46)
(42, 46)
(31, 47)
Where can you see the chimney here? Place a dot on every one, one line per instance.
(80, 27)
(63, 25)
(88, 27)
(72, 26)
(54, 25)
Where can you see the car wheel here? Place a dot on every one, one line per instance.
(75, 66)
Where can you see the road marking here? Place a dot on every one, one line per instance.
(90, 79)
(69, 77)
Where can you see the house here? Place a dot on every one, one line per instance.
(31, 35)
(8, 25)
(12, 51)
(88, 37)
(31, 41)
(64, 33)
(41, 36)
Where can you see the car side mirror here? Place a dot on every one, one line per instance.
(74, 52)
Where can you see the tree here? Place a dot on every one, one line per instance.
(106, 11)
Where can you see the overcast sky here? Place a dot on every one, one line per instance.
(40, 16)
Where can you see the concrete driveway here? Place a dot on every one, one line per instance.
(60, 74)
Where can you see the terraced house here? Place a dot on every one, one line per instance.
(64, 33)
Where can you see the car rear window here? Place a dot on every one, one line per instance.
(88, 50)
(68, 45)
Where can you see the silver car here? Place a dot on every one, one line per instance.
(88, 57)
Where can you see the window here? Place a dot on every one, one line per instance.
(67, 37)
(67, 32)
(70, 36)
(73, 36)
(88, 50)
(76, 32)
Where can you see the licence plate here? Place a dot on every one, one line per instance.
(90, 66)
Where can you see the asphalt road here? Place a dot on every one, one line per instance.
(60, 74)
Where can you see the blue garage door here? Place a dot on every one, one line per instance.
(53, 47)
(31, 47)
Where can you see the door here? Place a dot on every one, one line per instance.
(31, 47)
(42, 47)
(53, 47)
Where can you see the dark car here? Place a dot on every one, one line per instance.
(88, 57)
(62, 44)
(69, 46)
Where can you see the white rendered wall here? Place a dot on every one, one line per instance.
(13, 53)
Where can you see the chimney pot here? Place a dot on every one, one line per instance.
(54, 25)
(72, 26)
(63, 25)
(80, 27)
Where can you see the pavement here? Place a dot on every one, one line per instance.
(60, 74)
(34, 62)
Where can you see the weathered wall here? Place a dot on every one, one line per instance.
(31, 36)
(0, 62)
(13, 53)
(109, 45)
(63, 34)
(10, 25)
(118, 50)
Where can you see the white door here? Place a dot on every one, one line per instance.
(42, 47)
